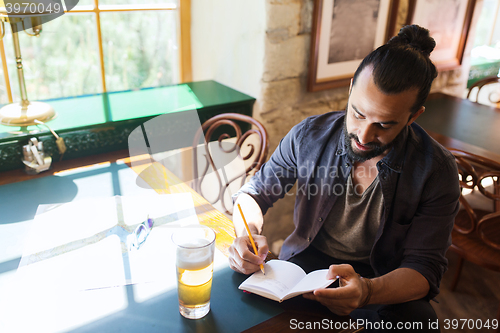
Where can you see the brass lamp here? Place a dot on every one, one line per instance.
(22, 113)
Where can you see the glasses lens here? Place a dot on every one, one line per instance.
(141, 233)
(149, 223)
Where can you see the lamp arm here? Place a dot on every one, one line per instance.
(24, 113)
(36, 26)
(32, 35)
(19, 64)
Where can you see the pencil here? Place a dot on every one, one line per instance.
(251, 238)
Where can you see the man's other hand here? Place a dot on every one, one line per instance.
(241, 256)
(346, 298)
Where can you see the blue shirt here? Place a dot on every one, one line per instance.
(419, 180)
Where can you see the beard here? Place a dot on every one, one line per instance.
(376, 149)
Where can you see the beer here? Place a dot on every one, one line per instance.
(194, 263)
(194, 276)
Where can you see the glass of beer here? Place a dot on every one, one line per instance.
(194, 263)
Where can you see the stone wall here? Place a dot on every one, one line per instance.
(284, 100)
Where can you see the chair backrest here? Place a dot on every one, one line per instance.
(222, 165)
(481, 174)
(492, 92)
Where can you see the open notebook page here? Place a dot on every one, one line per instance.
(312, 281)
(280, 277)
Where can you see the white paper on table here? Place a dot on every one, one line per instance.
(82, 245)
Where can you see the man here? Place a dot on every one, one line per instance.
(376, 196)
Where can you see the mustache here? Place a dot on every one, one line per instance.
(369, 144)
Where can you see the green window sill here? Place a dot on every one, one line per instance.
(95, 124)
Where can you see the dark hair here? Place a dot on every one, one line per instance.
(403, 63)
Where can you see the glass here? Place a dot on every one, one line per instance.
(140, 49)
(137, 2)
(85, 3)
(62, 62)
(495, 38)
(4, 98)
(194, 265)
(485, 22)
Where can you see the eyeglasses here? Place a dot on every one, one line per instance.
(140, 234)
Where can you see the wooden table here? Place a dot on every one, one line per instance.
(459, 123)
(231, 310)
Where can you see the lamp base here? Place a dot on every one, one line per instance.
(13, 114)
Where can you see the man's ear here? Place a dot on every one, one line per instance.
(414, 116)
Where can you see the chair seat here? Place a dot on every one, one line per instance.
(473, 249)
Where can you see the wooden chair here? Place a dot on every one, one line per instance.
(493, 96)
(225, 163)
(476, 232)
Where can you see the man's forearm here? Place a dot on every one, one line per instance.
(398, 286)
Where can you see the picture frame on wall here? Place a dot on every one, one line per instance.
(343, 33)
(448, 22)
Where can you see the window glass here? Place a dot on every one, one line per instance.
(137, 2)
(84, 3)
(485, 22)
(495, 40)
(140, 49)
(4, 99)
(61, 62)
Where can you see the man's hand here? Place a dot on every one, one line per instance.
(241, 256)
(346, 298)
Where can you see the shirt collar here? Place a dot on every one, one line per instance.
(395, 158)
(341, 146)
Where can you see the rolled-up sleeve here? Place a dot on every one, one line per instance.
(429, 235)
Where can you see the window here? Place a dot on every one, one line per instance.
(485, 54)
(100, 46)
(486, 48)
(488, 27)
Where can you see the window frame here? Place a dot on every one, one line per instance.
(183, 36)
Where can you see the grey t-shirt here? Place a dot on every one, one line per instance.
(351, 226)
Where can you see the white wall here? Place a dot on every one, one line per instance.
(227, 43)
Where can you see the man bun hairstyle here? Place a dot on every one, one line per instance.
(403, 63)
(416, 37)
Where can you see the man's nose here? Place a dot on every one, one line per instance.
(366, 134)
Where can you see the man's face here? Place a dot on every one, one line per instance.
(374, 119)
